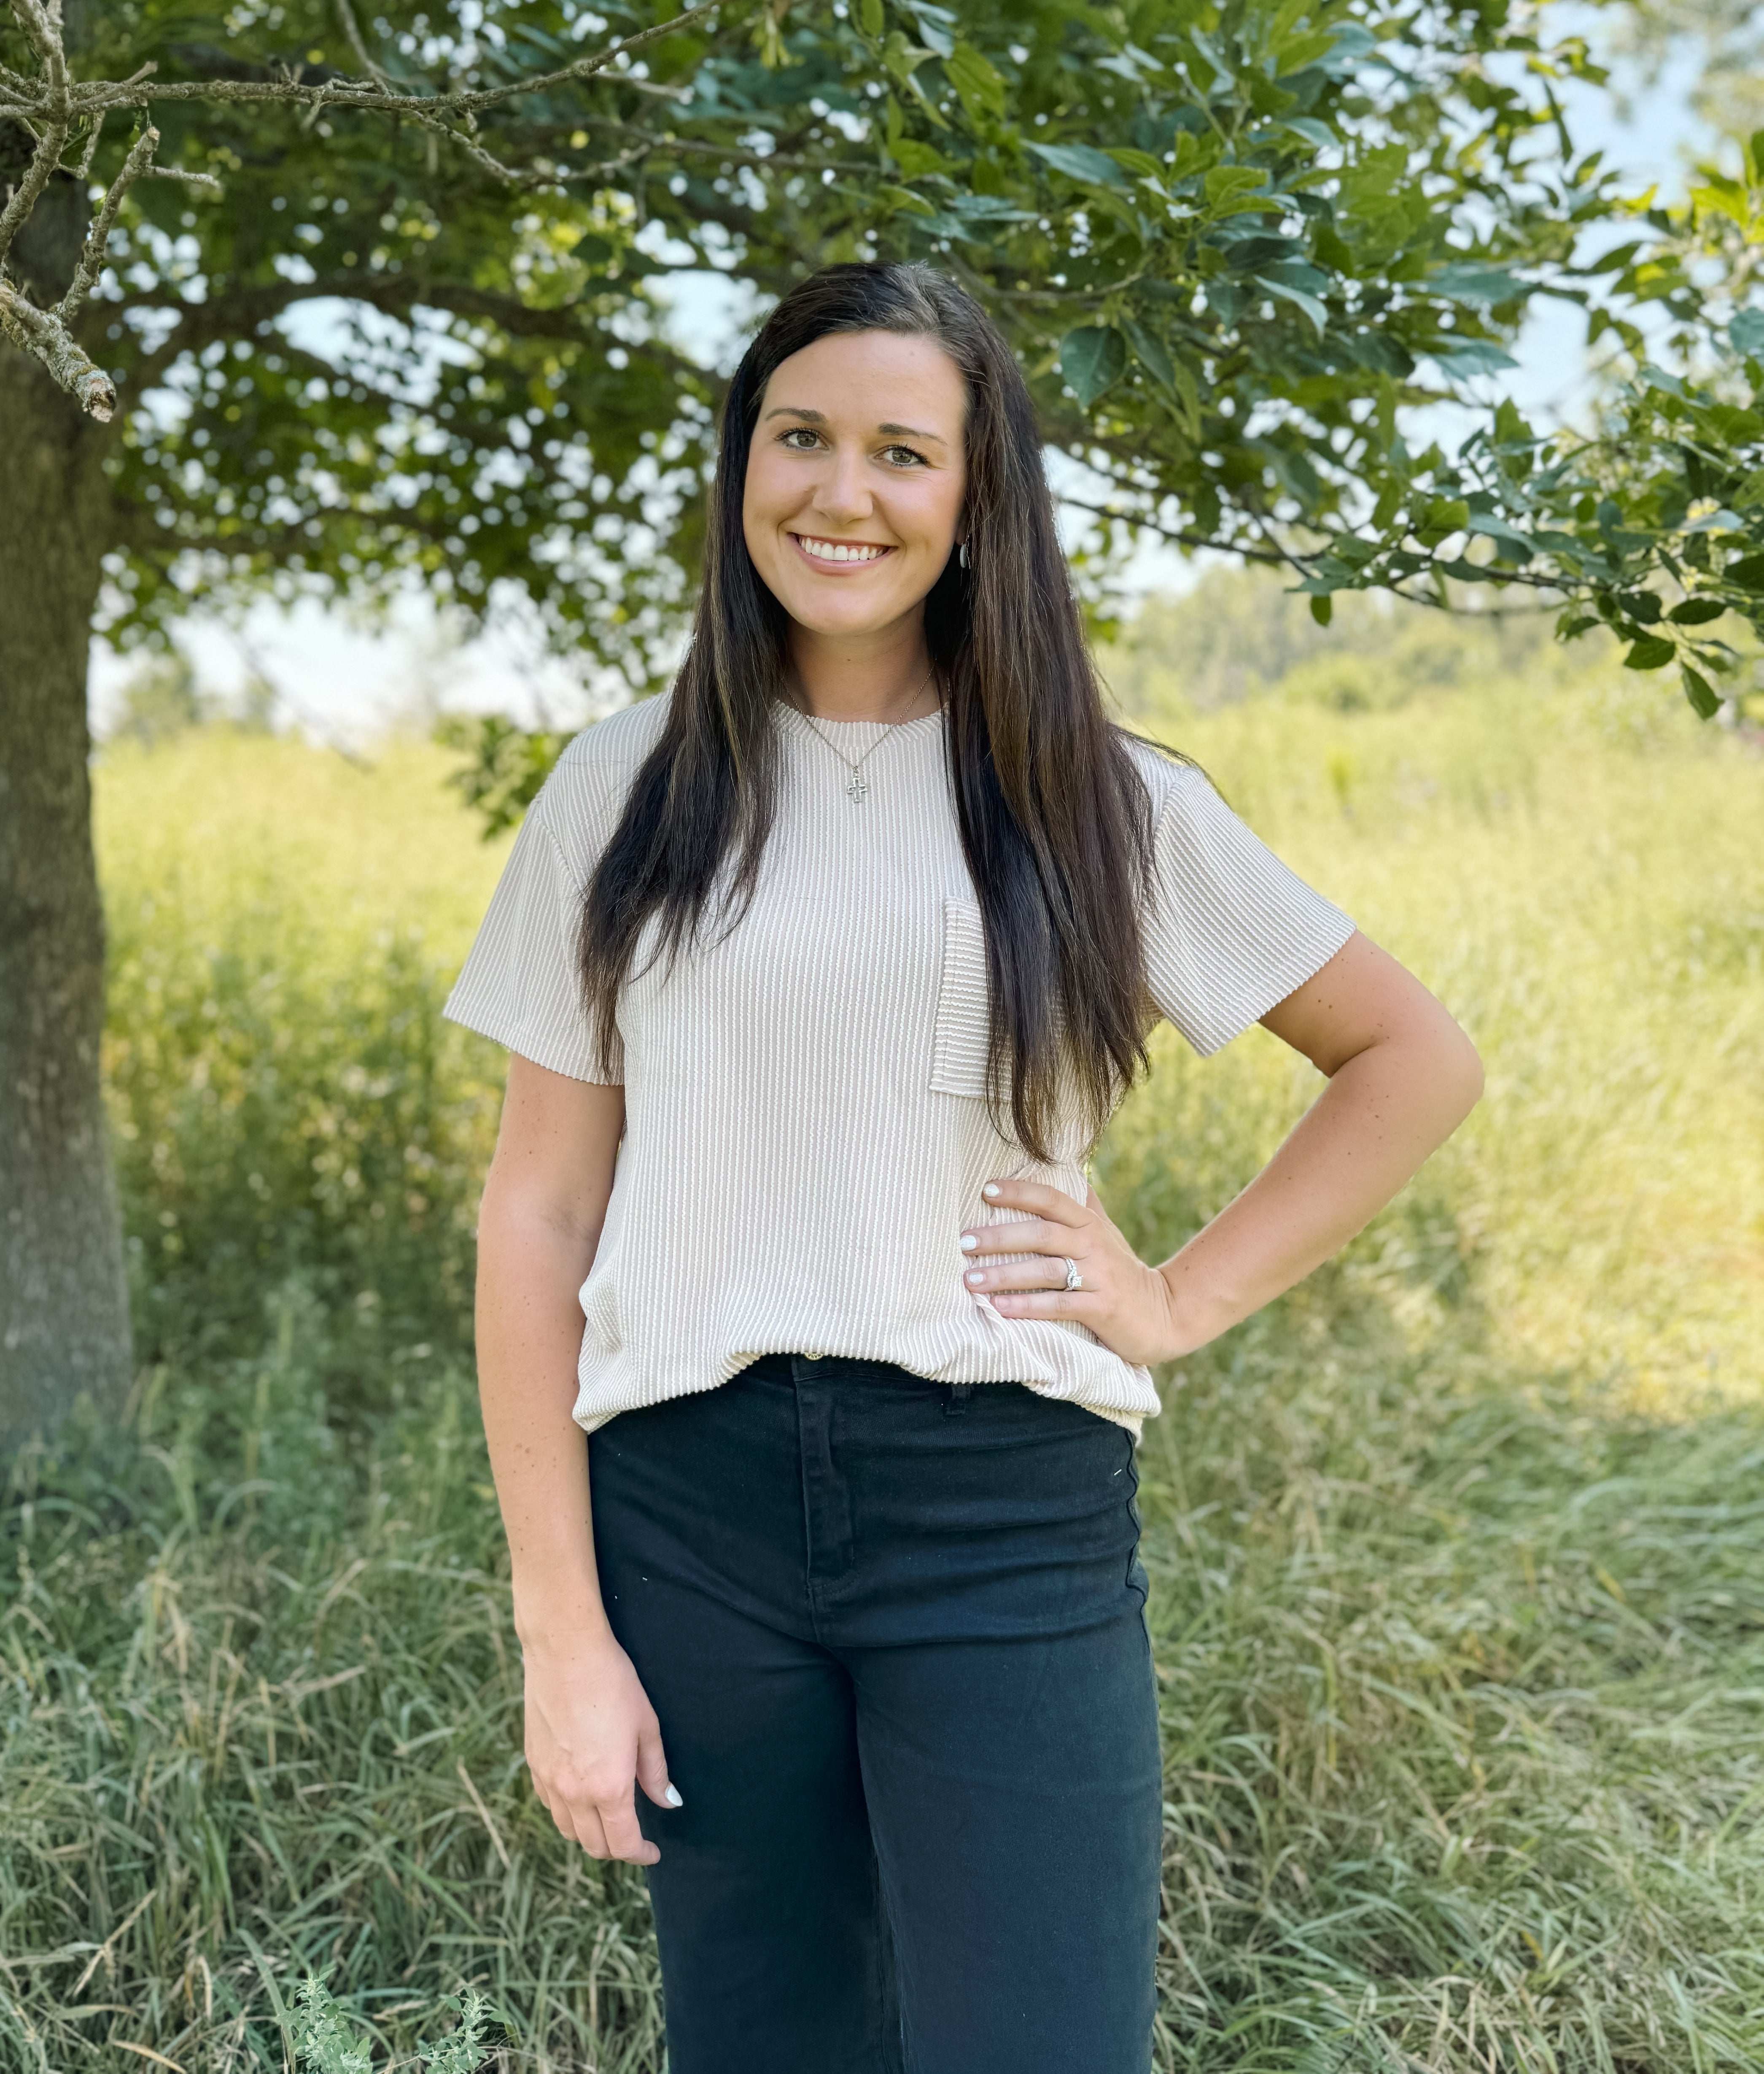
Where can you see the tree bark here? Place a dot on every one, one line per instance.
(64, 1293)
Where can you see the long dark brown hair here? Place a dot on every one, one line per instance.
(1054, 817)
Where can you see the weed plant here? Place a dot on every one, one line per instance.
(1455, 1551)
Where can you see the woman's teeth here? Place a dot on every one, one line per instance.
(834, 551)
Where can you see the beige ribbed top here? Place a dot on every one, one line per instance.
(807, 1133)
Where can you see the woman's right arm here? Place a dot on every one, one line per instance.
(590, 1730)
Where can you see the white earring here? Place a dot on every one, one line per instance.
(961, 553)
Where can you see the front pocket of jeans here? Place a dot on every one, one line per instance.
(959, 1043)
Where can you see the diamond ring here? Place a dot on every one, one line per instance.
(1074, 1280)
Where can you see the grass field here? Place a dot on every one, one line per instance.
(1458, 1552)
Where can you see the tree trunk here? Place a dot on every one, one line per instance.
(63, 1295)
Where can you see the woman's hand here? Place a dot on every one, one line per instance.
(591, 1732)
(1128, 1306)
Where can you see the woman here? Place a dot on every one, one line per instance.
(821, 977)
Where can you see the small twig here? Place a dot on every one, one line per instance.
(1284, 558)
(98, 242)
(347, 14)
(206, 182)
(1177, 536)
(980, 287)
(83, 170)
(42, 335)
(301, 714)
(738, 154)
(44, 30)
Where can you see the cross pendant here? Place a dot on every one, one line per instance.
(856, 786)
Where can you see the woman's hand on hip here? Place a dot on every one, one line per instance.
(1128, 1306)
(591, 1735)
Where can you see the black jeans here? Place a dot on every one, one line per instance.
(894, 1631)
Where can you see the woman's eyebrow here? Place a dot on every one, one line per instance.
(820, 418)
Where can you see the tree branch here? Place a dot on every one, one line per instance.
(41, 334)
(1177, 537)
(374, 97)
(52, 106)
(98, 241)
(49, 105)
(1297, 560)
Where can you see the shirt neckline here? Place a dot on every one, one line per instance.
(833, 728)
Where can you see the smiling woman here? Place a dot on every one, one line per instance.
(821, 976)
(850, 518)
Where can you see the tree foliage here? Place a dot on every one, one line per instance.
(1260, 262)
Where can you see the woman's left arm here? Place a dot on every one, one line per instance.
(1402, 1076)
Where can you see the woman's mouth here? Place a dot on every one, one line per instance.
(839, 554)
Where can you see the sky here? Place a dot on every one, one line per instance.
(341, 681)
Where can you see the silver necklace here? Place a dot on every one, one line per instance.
(857, 785)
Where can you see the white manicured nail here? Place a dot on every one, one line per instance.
(968, 1241)
(672, 1797)
(990, 1190)
(977, 1276)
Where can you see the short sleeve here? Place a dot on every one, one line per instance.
(1230, 930)
(520, 984)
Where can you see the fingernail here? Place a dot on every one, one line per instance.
(968, 1241)
(672, 1797)
(977, 1276)
(990, 1191)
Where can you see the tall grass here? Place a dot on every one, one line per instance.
(283, 925)
(1455, 1551)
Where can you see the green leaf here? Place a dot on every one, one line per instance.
(1705, 700)
(1745, 334)
(1312, 131)
(1649, 653)
(1696, 612)
(1151, 353)
(916, 159)
(1717, 522)
(1465, 357)
(1445, 515)
(1299, 297)
(904, 200)
(1323, 610)
(977, 83)
(1080, 162)
(871, 20)
(1654, 378)
(1146, 165)
(935, 25)
(1227, 184)
(1092, 360)
(1749, 574)
(1207, 50)
(1470, 282)
(1514, 545)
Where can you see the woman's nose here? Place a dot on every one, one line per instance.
(842, 494)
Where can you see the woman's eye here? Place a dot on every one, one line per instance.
(799, 432)
(902, 456)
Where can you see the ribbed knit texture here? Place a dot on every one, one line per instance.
(807, 1133)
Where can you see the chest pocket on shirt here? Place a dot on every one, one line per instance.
(958, 1056)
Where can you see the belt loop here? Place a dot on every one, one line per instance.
(956, 1397)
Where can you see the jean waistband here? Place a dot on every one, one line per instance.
(796, 1368)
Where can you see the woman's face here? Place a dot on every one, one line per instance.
(855, 479)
